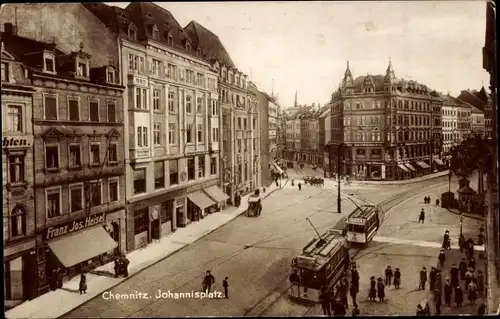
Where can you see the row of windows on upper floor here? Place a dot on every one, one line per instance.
(138, 64)
(241, 123)
(399, 103)
(459, 125)
(447, 112)
(228, 96)
(143, 137)
(375, 136)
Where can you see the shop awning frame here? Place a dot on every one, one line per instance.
(201, 200)
(410, 167)
(276, 167)
(424, 165)
(403, 168)
(438, 161)
(216, 193)
(81, 246)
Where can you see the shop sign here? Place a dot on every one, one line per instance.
(73, 226)
(200, 186)
(17, 141)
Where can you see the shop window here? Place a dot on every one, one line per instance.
(94, 111)
(213, 166)
(112, 153)
(53, 202)
(139, 180)
(50, 107)
(95, 154)
(201, 166)
(159, 175)
(167, 211)
(141, 221)
(190, 165)
(111, 106)
(18, 221)
(173, 172)
(95, 193)
(113, 190)
(14, 118)
(52, 157)
(16, 169)
(76, 198)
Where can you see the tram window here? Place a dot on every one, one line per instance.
(356, 228)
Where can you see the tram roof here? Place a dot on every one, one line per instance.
(316, 253)
(363, 212)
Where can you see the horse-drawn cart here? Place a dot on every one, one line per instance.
(314, 180)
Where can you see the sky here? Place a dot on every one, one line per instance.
(286, 47)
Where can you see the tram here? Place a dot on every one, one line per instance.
(363, 223)
(322, 262)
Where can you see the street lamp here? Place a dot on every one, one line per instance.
(450, 174)
(339, 208)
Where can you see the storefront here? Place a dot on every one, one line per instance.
(403, 172)
(153, 218)
(218, 196)
(424, 168)
(413, 170)
(78, 245)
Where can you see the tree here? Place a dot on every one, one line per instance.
(472, 154)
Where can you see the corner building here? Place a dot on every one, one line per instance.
(387, 128)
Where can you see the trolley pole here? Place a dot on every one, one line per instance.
(339, 206)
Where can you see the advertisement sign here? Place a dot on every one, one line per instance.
(73, 226)
(17, 141)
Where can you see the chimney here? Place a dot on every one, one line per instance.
(10, 29)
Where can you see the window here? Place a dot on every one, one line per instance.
(51, 156)
(95, 154)
(156, 134)
(16, 169)
(18, 221)
(50, 106)
(113, 190)
(49, 63)
(156, 67)
(111, 106)
(94, 111)
(171, 133)
(141, 99)
(5, 72)
(254, 124)
(53, 202)
(14, 118)
(95, 194)
(189, 133)
(245, 124)
(239, 145)
(190, 165)
(82, 68)
(200, 133)
(142, 136)
(213, 166)
(199, 105)
(188, 104)
(188, 47)
(76, 198)
(139, 180)
(159, 175)
(201, 166)
(215, 134)
(239, 123)
(171, 99)
(173, 172)
(75, 156)
(167, 211)
(74, 110)
(112, 153)
(141, 221)
(132, 33)
(156, 33)
(214, 108)
(156, 100)
(170, 39)
(110, 75)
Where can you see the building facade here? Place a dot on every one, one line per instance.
(273, 129)
(324, 137)
(481, 101)
(19, 225)
(477, 121)
(266, 159)
(384, 126)
(282, 134)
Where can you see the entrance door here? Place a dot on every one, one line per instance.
(179, 213)
(155, 229)
(30, 275)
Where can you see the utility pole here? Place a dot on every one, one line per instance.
(339, 206)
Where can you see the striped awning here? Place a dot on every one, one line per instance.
(438, 161)
(422, 164)
(403, 168)
(410, 166)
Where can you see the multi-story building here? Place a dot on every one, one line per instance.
(295, 130)
(477, 121)
(240, 117)
(264, 124)
(19, 241)
(456, 121)
(273, 129)
(78, 162)
(324, 136)
(171, 123)
(384, 126)
(480, 100)
(282, 134)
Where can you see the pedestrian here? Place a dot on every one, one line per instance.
(343, 292)
(441, 258)
(446, 240)
(293, 183)
(480, 283)
(463, 268)
(397, 278)
(355, 276)
(468, 279)
(437, 295)
(117, 266)
(388, 276)
(454, 275)
(225, 284)
(472, 292)
(324, 299)
(263, 189)
(208, 281)
(380, 289)
(355, 311)
(420, 310)
(432, 278)
(425, 200)
(427, 309)
(481, 310)
(459, 296)
(124, 264)
(472, 263)
(448, 290)
(59, 276)
(438, 279)
(276, 182)
(437, 201)
(353, 290)
(480, 239)
(421, 218)
(437, 304)
(82, 287)
(461, 243)
(423, 278)
(372, 294)
(300, 186)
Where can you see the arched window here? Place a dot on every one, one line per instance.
(18, 221)
(170, 39)
(132, 32)
(156, 33)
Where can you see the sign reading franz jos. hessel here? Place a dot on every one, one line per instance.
(73, 226)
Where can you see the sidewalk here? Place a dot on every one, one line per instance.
(407, 181)
(56, 303)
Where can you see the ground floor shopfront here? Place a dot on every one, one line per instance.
(156, 216)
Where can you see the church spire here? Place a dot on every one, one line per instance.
(348, 80)
(389, 73)
(295, 103)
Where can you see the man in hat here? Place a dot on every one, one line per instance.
(423, 278)
(421, 217)
(432, 278)
(397, 278)
(441, 258)
(448, 290)
(454, 275)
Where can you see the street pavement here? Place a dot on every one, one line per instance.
(253, 252)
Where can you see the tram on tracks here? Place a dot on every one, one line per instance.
(322, 262)
(363, 223)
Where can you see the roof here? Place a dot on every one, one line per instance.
(316, 253)
(324, 111)
(478, 99)
(466, 190)
(378, 81)
(365, 212)
(209, 43)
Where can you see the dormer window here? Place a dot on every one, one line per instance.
(110, 75)
(156, 33)
(132, 32)
(198, 52)
(188, 46)
(49, 62)
(82, 68)
(149, 15)
(170, 39)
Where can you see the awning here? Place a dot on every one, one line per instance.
(201, 200)
(438, 161)
(410, 166)
(216, 193)
(422, 164)
(403, 168)
(277, 168)
(253, 199)
(83, 245)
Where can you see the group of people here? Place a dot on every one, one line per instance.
(209, 281)
(336, 302)
(427, 200)
(121, 266)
